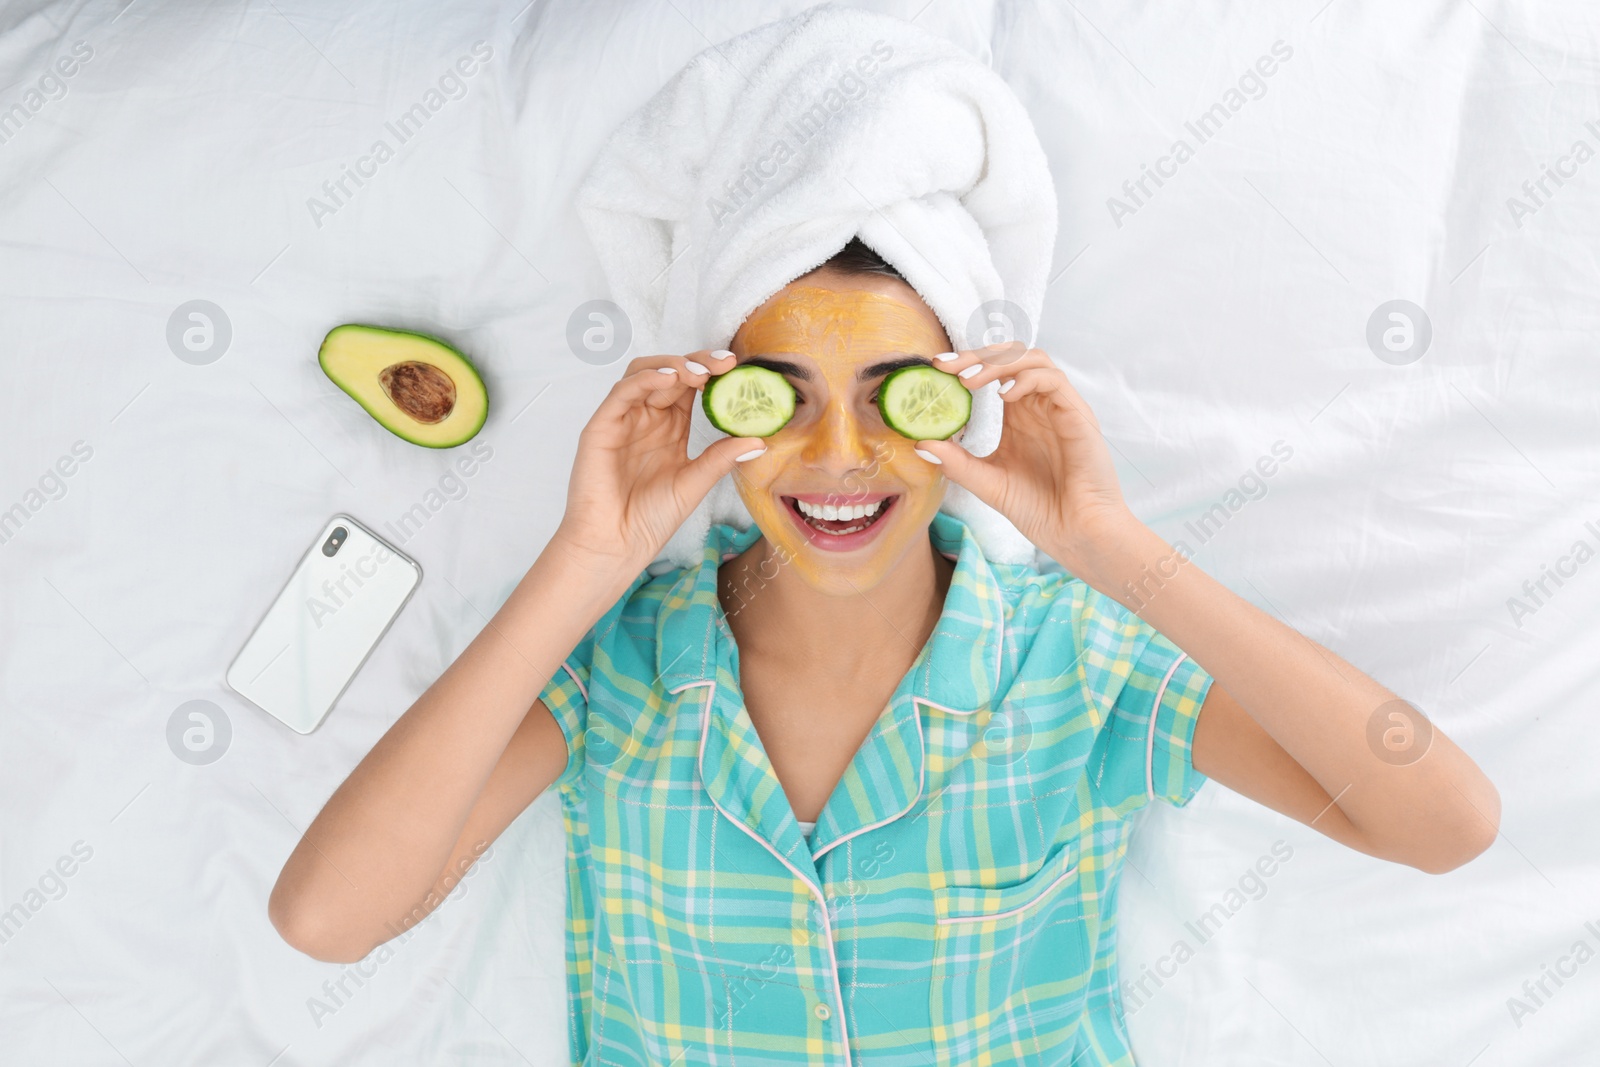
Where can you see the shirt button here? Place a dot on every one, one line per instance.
(822, 1012)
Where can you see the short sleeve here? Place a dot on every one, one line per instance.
(1154, 692)
(566, 694)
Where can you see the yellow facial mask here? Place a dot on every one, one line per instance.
(836, 452)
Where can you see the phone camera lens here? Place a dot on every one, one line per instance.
(331, 546)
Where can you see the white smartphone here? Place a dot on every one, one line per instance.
(341, 598)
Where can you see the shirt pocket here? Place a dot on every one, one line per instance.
(1010, 959)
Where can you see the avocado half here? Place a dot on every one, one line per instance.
(416, 386)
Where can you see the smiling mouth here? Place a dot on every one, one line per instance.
(838, 527)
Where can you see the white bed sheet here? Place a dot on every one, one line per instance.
(1224, 313)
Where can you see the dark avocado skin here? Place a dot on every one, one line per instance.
(383, 417)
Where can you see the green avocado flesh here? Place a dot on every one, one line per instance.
(749, 402)
(924, 403)
(417, 387)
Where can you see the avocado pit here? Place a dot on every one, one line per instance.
(420, 390)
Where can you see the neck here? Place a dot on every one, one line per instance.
(857, 634)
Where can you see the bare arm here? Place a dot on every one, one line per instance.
(447, 778)
(1286, 721)
(478, 746)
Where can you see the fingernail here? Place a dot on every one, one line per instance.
(697, 368)
(970, 371)
(749, 455)
(666, 370)
(946, 356)
(1008, 384)
(929, 456)
(722, 353)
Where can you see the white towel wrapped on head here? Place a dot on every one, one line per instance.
(768, 152)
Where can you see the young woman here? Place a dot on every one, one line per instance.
(846, 792)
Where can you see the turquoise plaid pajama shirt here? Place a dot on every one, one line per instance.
(956, 903)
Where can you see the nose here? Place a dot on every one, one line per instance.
(839, 446)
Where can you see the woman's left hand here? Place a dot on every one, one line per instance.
(1052, 474)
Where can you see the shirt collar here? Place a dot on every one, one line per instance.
(958, 670)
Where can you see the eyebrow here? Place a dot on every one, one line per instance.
(865, 374)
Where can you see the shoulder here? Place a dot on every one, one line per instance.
(634, 615)
(1033, 599)
(1053, 609)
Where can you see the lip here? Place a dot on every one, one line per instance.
(834, 542)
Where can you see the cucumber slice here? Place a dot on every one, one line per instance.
(924, 403)
(749, 401)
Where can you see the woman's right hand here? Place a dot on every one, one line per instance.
(632, 481)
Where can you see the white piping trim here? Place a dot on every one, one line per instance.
(827, 927)
(1063, 876)
(581, 687)
(952, 711)
(922, 772)
(999, 650)
(1150, 742)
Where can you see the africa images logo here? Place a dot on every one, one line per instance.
(451, 85)
(1251, 85)
(335, 593)
(847, 88)
(52, 85)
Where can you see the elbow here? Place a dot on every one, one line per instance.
(1458, 854)
(1475, 832)
(1441, 839)
(309, 933)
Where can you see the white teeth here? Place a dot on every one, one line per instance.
(834, 513)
